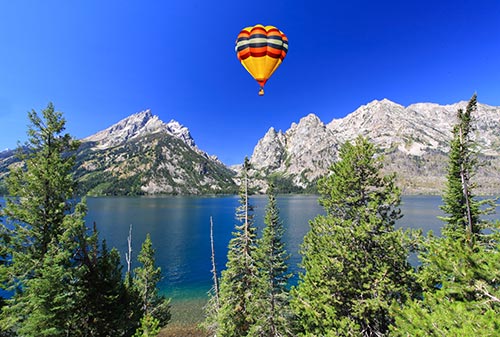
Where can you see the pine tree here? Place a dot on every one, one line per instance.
(461, 294)
(44, 187)
(39, 216)
(270, 305)
(155, 308)
(103, 288)
(54, 268)
(355, 262)
(150, 327)
(239, 280)
(4, 261)
(463, 208)
(461, 269)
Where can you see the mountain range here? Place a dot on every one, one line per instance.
(414, 141)
(143, 155)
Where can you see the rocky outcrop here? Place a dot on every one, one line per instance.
(413, 139)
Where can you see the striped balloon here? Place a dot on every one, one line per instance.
(261, 50)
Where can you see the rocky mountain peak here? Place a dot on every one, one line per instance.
(137, 125)
(180, 131)
(307, 122)
(414, 138)
(269, 151)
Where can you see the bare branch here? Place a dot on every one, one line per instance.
(214, 269)
(128, 256)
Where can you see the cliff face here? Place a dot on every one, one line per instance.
(413, 139)
(303, 152)
(143, 155)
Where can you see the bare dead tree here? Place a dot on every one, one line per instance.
(128, 256)
(214, 269)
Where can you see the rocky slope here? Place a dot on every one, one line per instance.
(143, 155)
(413, 139)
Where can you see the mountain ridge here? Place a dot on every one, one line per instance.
(139, 124)
(141, 154)
(414, 140)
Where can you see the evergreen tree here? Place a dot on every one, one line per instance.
(150, 327)
(44, 186)
(270, 305)
(461, 294)
(463, 209)
(355, 262)
(239, 280)
(461, 269)
(155, 308)
(37, 220)
(4, 261)
(53, 266)
(103, 288)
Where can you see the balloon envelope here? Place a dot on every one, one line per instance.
(261, 50)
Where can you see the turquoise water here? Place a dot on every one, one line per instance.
(180, 230)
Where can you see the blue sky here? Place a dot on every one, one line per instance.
(100, 61)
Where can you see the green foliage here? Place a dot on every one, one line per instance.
(3, 188)
(355, 262)
(462, 208)
(40, 225)
(270, 304)
(103, 288)
(145, 281)
(62, 283)
(460, 271)
(461, 291)
(44, 187)
(239, 280)
(150, 327)
(282, 184)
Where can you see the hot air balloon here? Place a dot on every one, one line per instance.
(261, 50)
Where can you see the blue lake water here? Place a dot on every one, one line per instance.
(180, 230)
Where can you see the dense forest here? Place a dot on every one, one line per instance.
(60, 279)
(356, 278)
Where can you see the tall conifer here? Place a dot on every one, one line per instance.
(41, 215)
(461, 269)
(54, 265)
(270, 305)
(155, 307)
(463, 209)
(239, 279)
(355, 262)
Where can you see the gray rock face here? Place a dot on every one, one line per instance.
(138, 125)
(414, 139)
(143, 155)
(303, 151)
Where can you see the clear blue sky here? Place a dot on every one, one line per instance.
(100, 61)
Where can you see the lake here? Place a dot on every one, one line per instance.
(180, 230)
